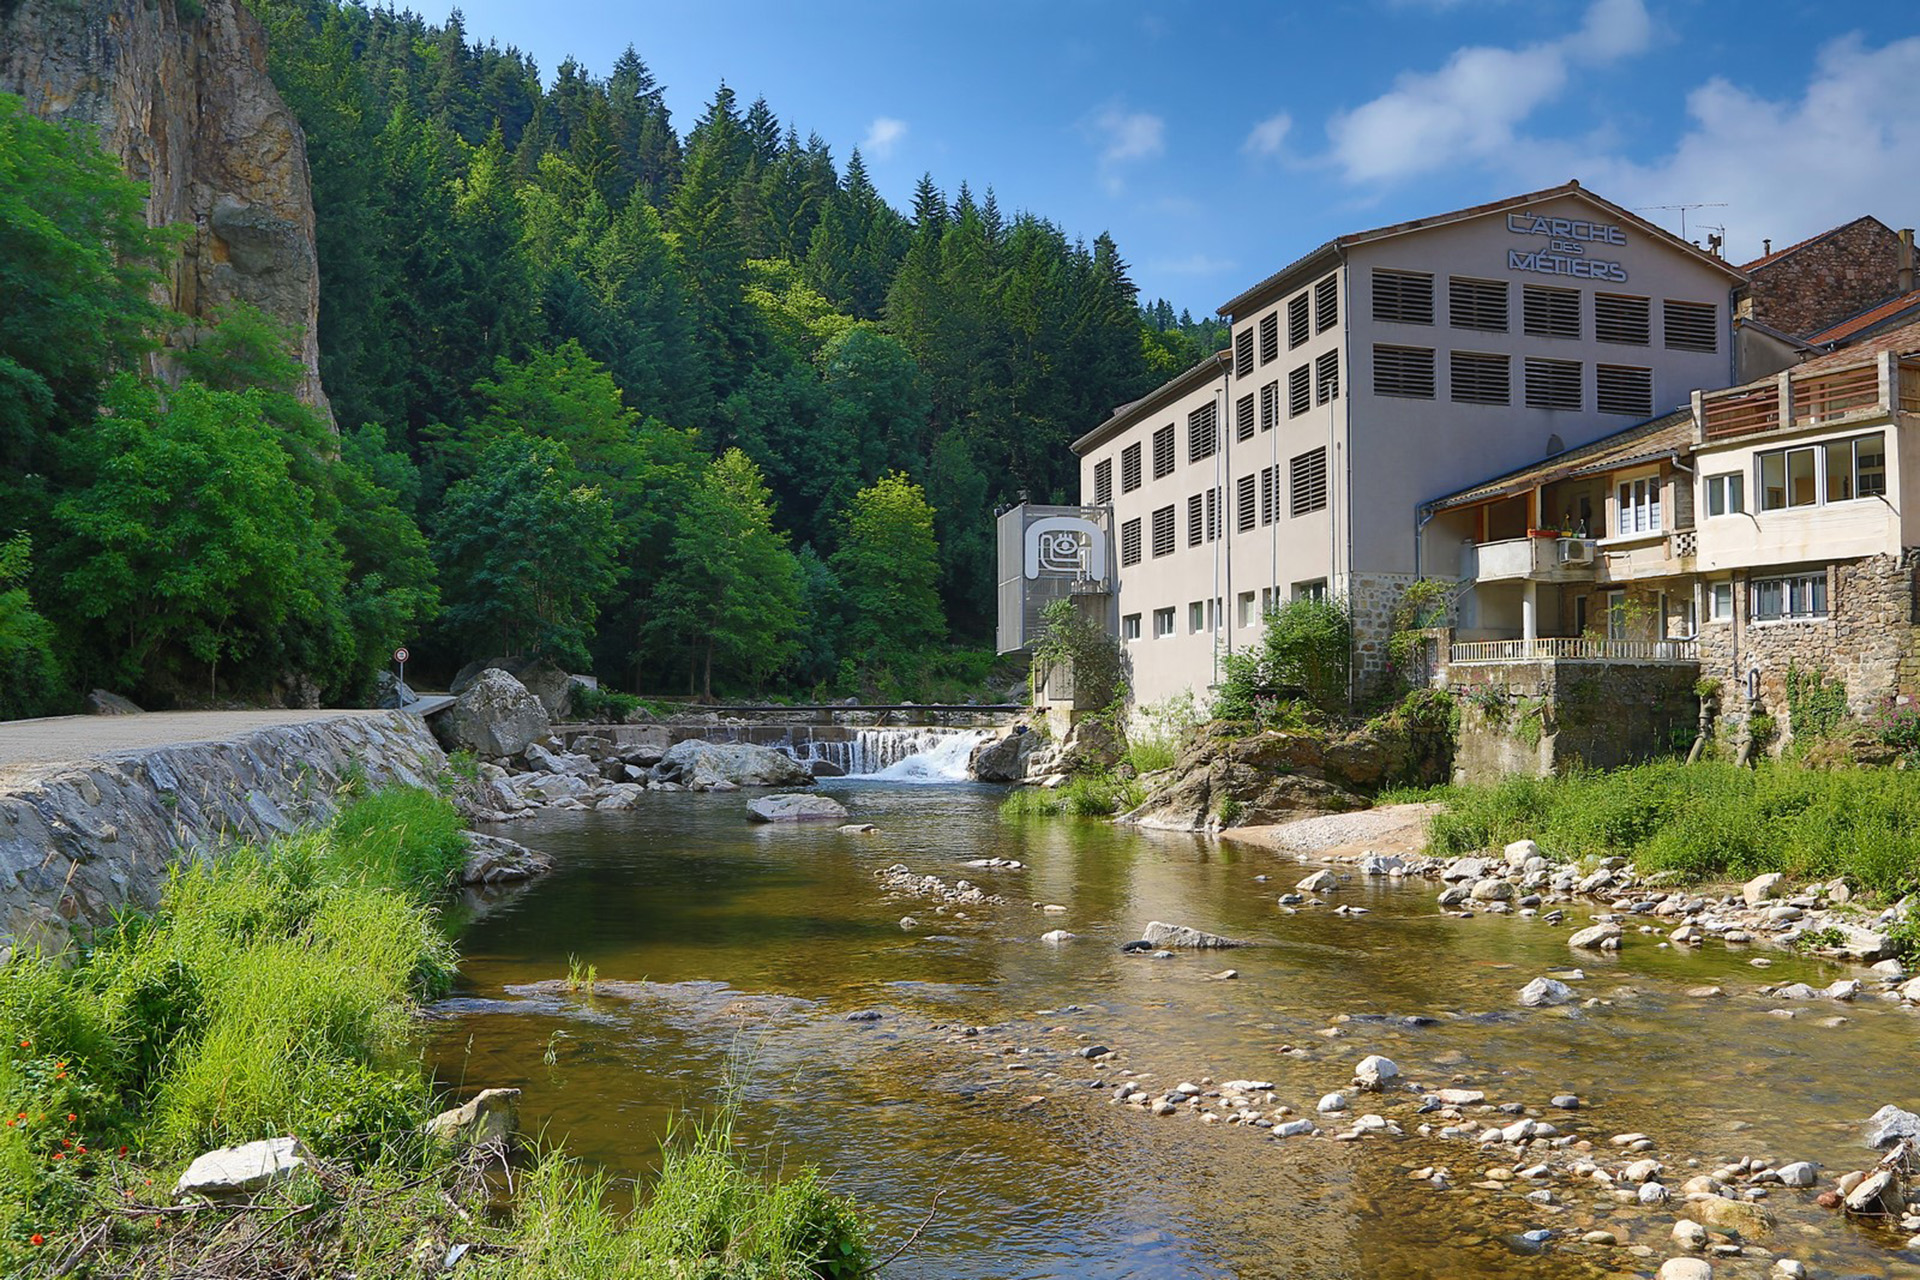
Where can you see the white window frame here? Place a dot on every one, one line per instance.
(1637, 506)
(1247, 615)
(1616, 615)
(1196, 617)
(1726, 493)
(1720, 600)
(1312, 589)
(1130, 627)
(1803, 597)
(1165, 624)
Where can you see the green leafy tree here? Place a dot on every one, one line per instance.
(33, 680)
(525, 553)
(888, 564)
(730, 596)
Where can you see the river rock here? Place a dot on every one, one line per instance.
(1331, 1103)
(1003, 759)
(232, 1171)
(789, 807)
(495, 860)
(1689, 1234)
(1801, 1173)
(102, 703)
(1057, 936)
(1743, 1216)
(1864, 944)
(1876, 1194)
(494, 717)
(1600, 937)
(1375, 1073)
(1319, 882)
(1382, 864)
(1491, 889)
(1545, 991)
(1890, 1124)
(1685, 1269)
(489, 1119)
(1520, 852)
(1180, 935)
(700, 765)
(1761, 888)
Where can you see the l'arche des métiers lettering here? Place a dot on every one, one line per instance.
(1566, 250)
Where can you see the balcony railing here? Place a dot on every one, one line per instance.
(1794, 400)
(1572, 649)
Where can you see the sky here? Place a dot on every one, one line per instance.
(1217, 142)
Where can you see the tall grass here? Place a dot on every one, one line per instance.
(1087, 795)
(1706, 819)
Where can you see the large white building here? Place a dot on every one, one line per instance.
(1379, 371)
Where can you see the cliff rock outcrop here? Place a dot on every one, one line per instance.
(188, 107)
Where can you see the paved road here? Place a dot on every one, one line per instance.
(29, 746)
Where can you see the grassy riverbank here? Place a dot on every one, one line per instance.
(274, 993)
(1706, 820)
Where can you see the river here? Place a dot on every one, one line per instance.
(759, 941)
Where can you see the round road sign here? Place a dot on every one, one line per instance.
(400, 655)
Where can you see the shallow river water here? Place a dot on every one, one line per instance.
(756, 942)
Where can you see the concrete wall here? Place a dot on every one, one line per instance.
(1803, 535)
(1553, 716)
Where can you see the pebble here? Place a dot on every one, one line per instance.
(1689, 1234)
(1331, 1103)
(1566, 1101)
(1600, 1237)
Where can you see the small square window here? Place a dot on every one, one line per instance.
(1726, 495)
(1130, 627)
(1196, 617)
(1163, 623)
(1720, 602)
(1248, 611)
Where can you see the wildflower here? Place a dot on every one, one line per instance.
(82, 1151)
(59, 1155)
(67, 1143)
(122, 1151)
(71, 1117)
(37, 1238)
(26, 1044)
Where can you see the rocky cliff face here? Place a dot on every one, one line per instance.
(188, 107)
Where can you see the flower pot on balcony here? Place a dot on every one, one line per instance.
(1543, 533)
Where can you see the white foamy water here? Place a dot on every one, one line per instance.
(938, 756)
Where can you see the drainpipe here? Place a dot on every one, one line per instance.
(1222, 548)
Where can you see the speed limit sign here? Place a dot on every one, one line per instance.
(400, 655)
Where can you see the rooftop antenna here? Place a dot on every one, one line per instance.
(1716, 239)
(1696, 204)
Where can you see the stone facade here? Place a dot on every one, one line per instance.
(80, 842)
(1371, 601)
(1826, 280)
(1869, 640)
(1543, 718)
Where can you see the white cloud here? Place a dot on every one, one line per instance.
(1124, 137)
(883, 135)
(1786, 168)
(1470, 108)
(1267, 137)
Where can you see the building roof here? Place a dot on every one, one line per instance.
(1332, 250)
(1904, 339)
(1873, 317)
(1767, 260)
(1166, 393)
(1642, 442)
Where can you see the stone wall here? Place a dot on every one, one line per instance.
(1869, 641)
(186, 105)
(1372, 598)
(1541, 718)
(1823, 283)
(79, 842)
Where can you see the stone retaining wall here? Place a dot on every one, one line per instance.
(1541, 718)
(80, 842)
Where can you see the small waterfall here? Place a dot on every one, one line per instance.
(895, 755)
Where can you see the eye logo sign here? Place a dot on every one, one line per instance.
(1066, 546)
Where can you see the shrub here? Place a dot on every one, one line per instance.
(1897, 724)
(403, 838)
(1306, 650)
(601, 706)
(1815, 704)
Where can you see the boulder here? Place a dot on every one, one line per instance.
(1180, 935)
(1864, 944)
(494, 860)
(574, 764)
(787, 807)
(494, 716)
(702, 765)
(102, 703)
(1542, 992)
(1090, 745)
(552, 686)
(489, 1119)
(1003, 759)
(1491, 889)
(390, 693)
(233, 1171)
(1382, 864)
(1761, 888)
(1890, 1124)
(1319, 882)
(1375, 1073)
(1876, 1194)
(1685, 1269)
(1743, 1216)
(1604, 936)
(825, 769)
(1520, 852)
(1265, 777)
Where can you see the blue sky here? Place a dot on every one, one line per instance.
(1219, 141)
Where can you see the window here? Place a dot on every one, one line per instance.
(1243, 510)
(1203, 439)
(1550, 313)
(1403, 297)
(1314, 590)
(1639, 510)
(1130, 541)
(1266, 601)
(1163, 542)
(1481, 379)
(1726, 495)
(1103, 482)
(1620, 388)
(1248, 612)
(1243, 417)
(1269, 493)
(1403, 371)
(1857, 468)
(1801, 595)
(1787, 479)
(1326, 378)
(1553, 384)
(1297, 322)
(1130, 627)
(1617, 318)
(1326, 304)
(1163, 623)
(1477, 304)
(1616, 615)
(1130, 468)
(1300, 391)
(1691, 326)
(1194, 526)
(1307, 482)
(1720, 602)
(1243, 352)
(1196, 617)
(1213, 513)
(1269, 337)
(1163, 452)
(1269, 406)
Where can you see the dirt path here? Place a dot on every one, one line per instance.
(1343, 837)
(29, 748)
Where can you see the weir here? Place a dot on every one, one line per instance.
(903, 753)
